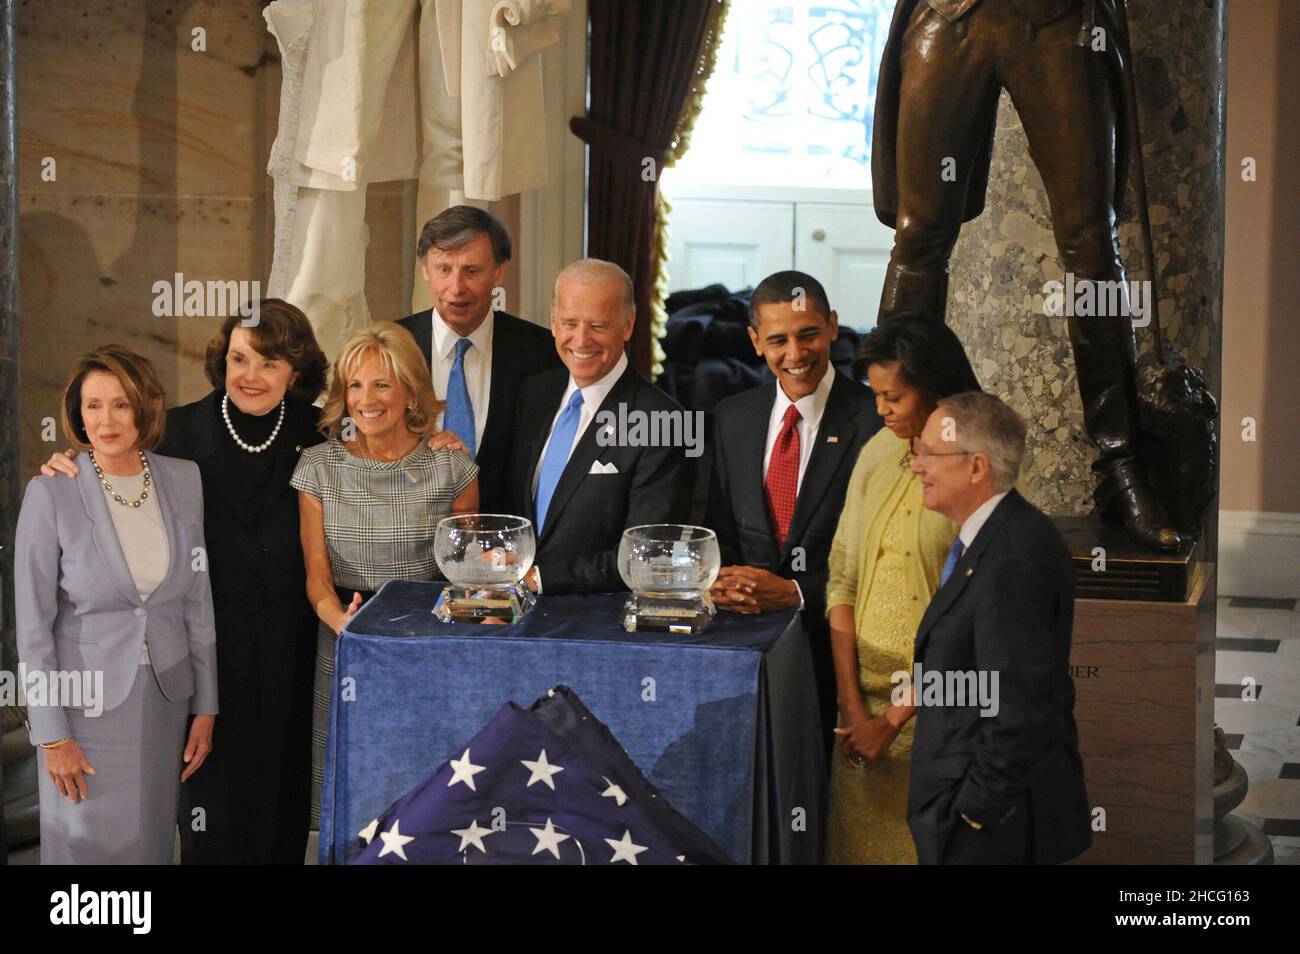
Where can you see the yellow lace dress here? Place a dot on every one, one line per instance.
(885, 563)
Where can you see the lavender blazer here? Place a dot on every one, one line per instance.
(77, 606)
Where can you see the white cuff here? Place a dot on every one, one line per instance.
(799, 590)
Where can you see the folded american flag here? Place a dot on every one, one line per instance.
(545, 785)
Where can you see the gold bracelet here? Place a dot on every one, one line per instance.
(54, 745)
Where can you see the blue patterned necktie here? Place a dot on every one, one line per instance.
(557, 455)
(954, 554)
(458, 417)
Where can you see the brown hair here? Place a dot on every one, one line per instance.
(454, 228)
(282, 331)
(139, 381)
(403, 360)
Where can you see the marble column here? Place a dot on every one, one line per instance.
(1004, 258)
(10, 485)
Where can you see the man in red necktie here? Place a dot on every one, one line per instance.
(782, 455)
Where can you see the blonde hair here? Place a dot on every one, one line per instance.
(402, 360)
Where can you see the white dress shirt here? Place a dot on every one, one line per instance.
(811, 409)
(478, 367)
(971, 526)
(592, 396)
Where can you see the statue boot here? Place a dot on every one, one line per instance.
(1105, 360)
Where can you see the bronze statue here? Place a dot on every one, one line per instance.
(944, 67)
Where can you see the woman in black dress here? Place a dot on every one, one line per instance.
(251, 803)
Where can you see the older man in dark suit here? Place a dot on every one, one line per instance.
(477, 355)
(782, 456)
(573, 471)
(996, 774)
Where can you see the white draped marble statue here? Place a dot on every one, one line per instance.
(448, 92)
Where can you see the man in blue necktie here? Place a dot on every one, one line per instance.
(477, 354)
(574, 472)
(994, 780)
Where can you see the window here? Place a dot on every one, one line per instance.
(792, 98)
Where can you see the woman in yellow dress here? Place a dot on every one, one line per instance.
(884, 568)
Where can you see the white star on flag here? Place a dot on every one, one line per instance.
(614, 792)
(393, 841)
(463, 770)
(368, 833)
(542, 770)
(473, 835)
(625, 850)
(548, 839)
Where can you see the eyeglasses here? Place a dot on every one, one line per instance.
(924, 454)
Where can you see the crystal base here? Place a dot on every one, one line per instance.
(460, 604)
(659, 614)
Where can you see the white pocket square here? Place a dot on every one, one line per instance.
(598, 468)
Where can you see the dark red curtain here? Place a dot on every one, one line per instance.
(643, 60)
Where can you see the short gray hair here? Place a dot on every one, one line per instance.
(987, 425)
(597, 271)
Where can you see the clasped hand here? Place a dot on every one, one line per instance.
(749, 589)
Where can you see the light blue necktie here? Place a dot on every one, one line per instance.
(557, 455)
(954, 554)
(458, 416)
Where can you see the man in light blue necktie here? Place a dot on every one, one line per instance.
(557, 455)
(459, 413)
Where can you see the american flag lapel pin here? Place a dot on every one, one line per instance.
(832, 439)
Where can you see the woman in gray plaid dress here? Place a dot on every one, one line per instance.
(371, 496)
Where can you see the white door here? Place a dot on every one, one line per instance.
(734, 243)
(847, 249)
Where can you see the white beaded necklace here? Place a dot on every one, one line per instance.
(225, 413)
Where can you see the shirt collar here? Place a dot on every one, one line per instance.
(444, 339)
(594, 394)
(971, 526)
(810, 406)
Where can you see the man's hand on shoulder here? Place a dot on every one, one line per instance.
(749, 589)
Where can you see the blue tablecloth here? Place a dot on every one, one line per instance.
(723, 723)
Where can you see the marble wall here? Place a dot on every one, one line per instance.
(1004, 258)
(140, 157)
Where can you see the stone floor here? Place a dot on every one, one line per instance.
(1257, 704)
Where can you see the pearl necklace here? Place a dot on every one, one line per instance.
(225, 413)
(113, 493)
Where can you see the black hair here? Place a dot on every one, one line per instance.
(929, 354)
(781, 287)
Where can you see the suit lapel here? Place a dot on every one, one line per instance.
(964, 571)
(835, 434)
(585, 452)
(752, 498)
(179, 560)
(422, 331)
(96, 502)
(503, 375)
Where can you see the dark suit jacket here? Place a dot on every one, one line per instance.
(738, 511)
(519, 349)
(1008, 607)
(578, 548)
(266, 628)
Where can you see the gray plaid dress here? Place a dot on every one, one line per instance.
(380, 518)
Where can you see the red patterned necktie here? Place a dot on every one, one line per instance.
(783, 476)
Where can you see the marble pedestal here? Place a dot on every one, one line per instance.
(1144, 677)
